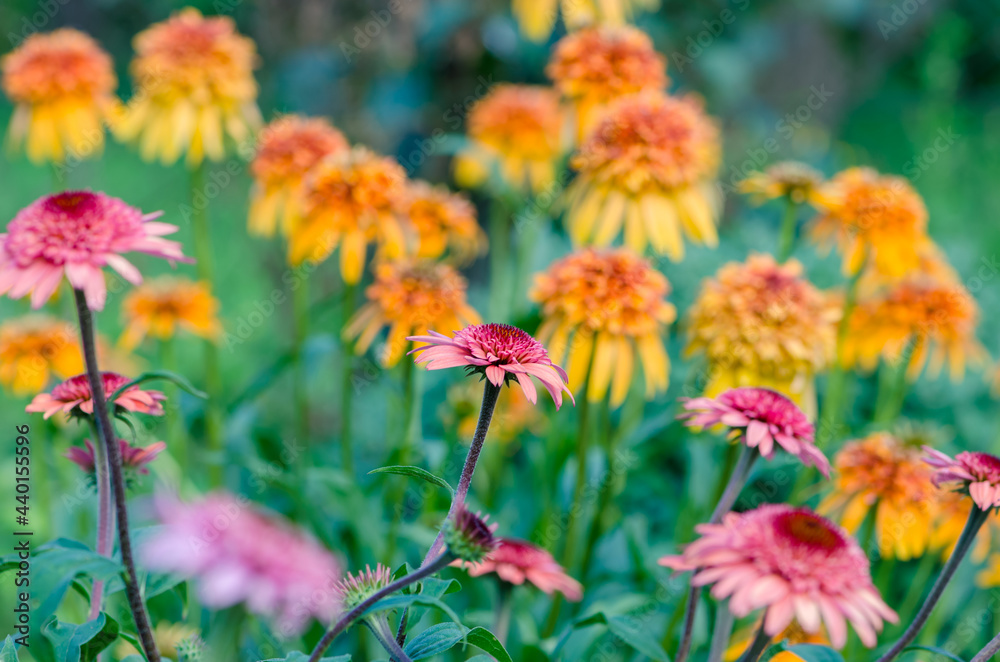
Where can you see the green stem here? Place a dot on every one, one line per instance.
(892, 391)
(786, 240)
(835, 400)
(608, 488)
(917, 585)
(499, 262)
(176, 442)
(505, 607)
(300, 305)
(721, 632)
(404, 455)
(347, 382)
(759, 644)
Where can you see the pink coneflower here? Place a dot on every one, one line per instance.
(978, 473)
(761, 417)
(500, 351)
(793, 563)
(74, 397)
(77, 233)
(515, 561)
(133, 457)
(239, 554)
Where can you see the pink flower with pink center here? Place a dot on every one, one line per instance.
(74, 397)
(77, 234)
(500, 351)
(793, 563)
(979, 473)
(133, 457)
(239, 554)
(760, 417)
(517, 561)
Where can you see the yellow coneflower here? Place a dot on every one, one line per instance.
(880, 472)
(608, 311)
(791, 635)
(62, 84)
(792, 180)
(536, 18)
(872, 218)
(35, 347)
(763, 324)
(514, 413)
(444, 222)
(351, 200)
(595, 66)
(411, 297)
(648, 166)
(161, 306)
(193, 80)
(517, 131)
(287, 150)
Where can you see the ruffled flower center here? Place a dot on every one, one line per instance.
(809, 530)
(982, 466)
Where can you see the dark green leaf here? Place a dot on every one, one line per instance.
(299, 656)
(934, 649)
(486, 641)
(631, 630)
(8, 652)
(414, 472)
(815, 653)
(166, 375)
(401, 601)
(435, 640)
(81, 643)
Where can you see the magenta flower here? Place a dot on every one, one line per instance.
(74, 397)
(77, 234)
(793, 563)
(239, 554)
(133, 457)
(977, 473)
(501, 352)
(761, 417)
(517, 561)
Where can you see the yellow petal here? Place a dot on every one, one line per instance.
(605, 354)
(623, 372)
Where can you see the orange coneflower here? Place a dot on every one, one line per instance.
(762, 324)
(444, 222)
(516, 130)
(411, 297)
(536, 18)
(193, 85)
(35, 347)
(352, 199)
(62, 84)
(648, 166)
(287, 150)
(608, 311)
(163, 305)
(795, 181)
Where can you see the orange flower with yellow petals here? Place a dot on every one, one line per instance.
(62, 84)
(608, 311)
(872, 218)
(647, 166)
(517, 131)
(791, 180)
(595, 66)
(287, 151)
(33, 349)
(444, 222)
(411, 297)
(194, 85)
(536, 18)
(763, 324)
(351, 200)
(161, 306)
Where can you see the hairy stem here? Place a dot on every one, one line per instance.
(396, 652)
(105, 515)
(759, 644)
(988, 651)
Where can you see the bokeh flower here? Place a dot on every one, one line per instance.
(647, 166)
(517, 561)
(287, 150)
(411, 297)
(791, 635)
(194, 85)
(536, 18)
(35, 347)
(759, 323)
(761, 418)
(352, 199)
(444, 222)
(517, 131)
(792, 180)
(62, 84)
(607, 310)
(74, 397)
(135, 459)
(239, 554)
(973, 473)
(881, 473)
(499, 351)
(163, 305)
(76, 234)
(792, 563)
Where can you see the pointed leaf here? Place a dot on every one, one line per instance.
(816, 653)
(414, 472)
(486, 641)
(630, 630)
(166, 375)
(81, 643)
(435, 640)
(934, 649)
(8, 652)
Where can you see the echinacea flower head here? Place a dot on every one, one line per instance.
(444, 222)
(468, 536)
(194, 85)
(239, 554)
(871, 218)
(792, 563)
(74, 397)
(352, 199)
(794, 181)
(973, 473)
(77, 234)
(287, 150)
(162, 306)
(517, 131)
(883, 474)
(760, 323)
(499, 351)
(62, 84)
(135, 459)
(410, 296)
(648, 166)
(537, 18)
(35, 347)
(608, 310)
(597, 65)
(517, 561)
(760, 418)
(355, 588)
